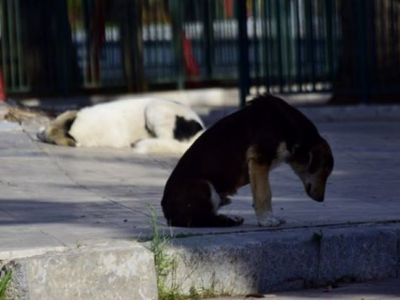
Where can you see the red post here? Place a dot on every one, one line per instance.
(228, 9)
(191, 66)
(3, 96)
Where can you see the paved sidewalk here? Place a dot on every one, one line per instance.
(380, 290)
(69, 218)
(54, 198)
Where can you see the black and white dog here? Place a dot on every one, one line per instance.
(146, 124)
(242, 149)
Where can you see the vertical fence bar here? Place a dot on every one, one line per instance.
(244, 68)
(393, 46)
(278, 11)
(329, 37)
(265, 44)
(177, 35)
(299, 64)
(4, 46)
(19, 46)
(208, 34)
(289, 37)
(256, 63)
(86, 42)
(311, 41)
(11, 42)
(363, 45)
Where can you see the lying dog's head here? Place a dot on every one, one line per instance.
(57, 132)
(313, 166)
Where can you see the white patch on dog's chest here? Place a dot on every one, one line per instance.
(282, 153)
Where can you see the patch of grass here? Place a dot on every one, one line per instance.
(163, 263)
(166, 265)
(3, 284)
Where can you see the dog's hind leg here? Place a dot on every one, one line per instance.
(195, 203)
(262, 196)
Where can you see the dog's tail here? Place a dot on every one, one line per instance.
(57, 132)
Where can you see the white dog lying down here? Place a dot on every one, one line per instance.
(148, 125)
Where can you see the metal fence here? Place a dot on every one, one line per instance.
(179, 41)
(12, 74)
(345, 47)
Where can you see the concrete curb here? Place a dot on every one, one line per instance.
(284, 260)
(118, 270)
(234, 264)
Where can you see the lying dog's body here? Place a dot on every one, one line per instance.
(150, 125)
(240, 149)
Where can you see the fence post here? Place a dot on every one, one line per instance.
(243, 43)
(133, 46)
(176, 7)
(3, 96)
(208, 37)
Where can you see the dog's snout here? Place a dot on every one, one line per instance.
(314, 194)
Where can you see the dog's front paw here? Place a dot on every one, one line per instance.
(271, 221)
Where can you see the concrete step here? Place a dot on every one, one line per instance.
(120, 270)
(282, 260)
(221, 264)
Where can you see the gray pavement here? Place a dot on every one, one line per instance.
(374, 290)
(55, 199)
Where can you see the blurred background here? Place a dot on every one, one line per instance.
(347, 50)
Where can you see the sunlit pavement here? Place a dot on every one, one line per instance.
(58, 197)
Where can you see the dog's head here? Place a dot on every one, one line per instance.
(313, 166)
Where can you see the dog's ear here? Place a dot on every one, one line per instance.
(300, 155)
(315, 162)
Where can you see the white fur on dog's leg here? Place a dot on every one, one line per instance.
(237, 219)
(269, 220)
(160, 146)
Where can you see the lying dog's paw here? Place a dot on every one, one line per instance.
(237, 220)
(271, 221)
(140, 147)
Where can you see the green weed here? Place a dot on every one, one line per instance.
(3, 284)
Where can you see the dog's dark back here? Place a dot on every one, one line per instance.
(266, 121)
